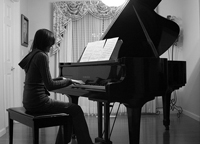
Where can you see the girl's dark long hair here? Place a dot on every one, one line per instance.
(43, 39)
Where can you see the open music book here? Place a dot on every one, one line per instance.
(99, 50)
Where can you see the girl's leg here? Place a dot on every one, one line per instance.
(79, 124)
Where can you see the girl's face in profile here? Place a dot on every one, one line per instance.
(48, 49)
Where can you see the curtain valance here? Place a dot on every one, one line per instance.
(78, 9)
(67, 11)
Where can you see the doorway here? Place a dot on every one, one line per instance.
(11, 55)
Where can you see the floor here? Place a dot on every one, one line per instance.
(183, 130)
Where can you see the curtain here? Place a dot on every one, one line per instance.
(75, 23)
(66, 11)
(65, 55)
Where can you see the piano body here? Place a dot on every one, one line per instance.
(134, 74)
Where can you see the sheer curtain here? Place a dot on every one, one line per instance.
(64, 54)
(76, 24)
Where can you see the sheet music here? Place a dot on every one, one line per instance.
(92, 51)
(108, 48)
(99, 50)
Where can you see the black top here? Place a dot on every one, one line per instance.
(38, 80)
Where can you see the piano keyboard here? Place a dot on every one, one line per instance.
(95, 87)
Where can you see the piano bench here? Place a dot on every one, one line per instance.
(36, 121)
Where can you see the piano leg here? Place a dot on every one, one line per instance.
(100, 122)
(107, 121)
(73, 99)
(106, 139)
(166, 108)
(134, 117)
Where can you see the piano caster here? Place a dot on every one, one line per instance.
(166, 124)
(102, 141)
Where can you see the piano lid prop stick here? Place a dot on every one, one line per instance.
(147, 35)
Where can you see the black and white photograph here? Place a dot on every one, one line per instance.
(100, 72)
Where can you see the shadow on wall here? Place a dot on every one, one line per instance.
(190, 94)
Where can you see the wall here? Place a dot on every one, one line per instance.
(190, 98)
(2, 122)
(188, 11)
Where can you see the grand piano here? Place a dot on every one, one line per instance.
(135, 73)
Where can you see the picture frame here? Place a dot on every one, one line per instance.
(24, 30)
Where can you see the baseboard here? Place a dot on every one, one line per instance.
(185, 112)
(192, 115)
(2, 132)
(160, 111)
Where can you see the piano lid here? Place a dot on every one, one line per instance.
(162, 32)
